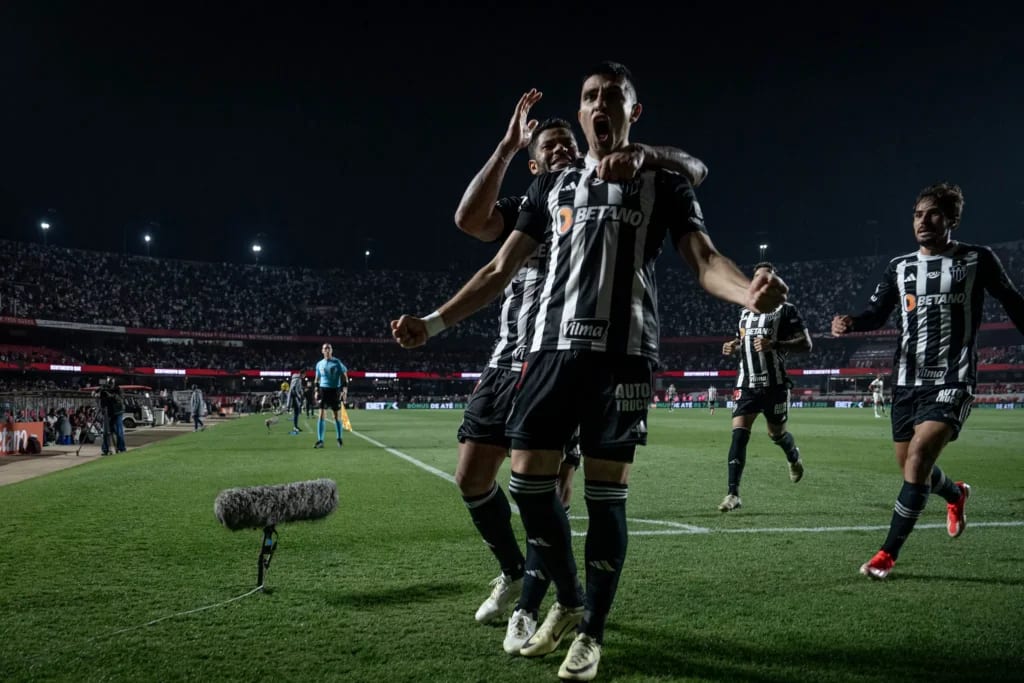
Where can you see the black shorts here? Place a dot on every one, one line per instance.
(948, 403)
(606, 395)
(488, 408)
(772, 402)
(330, 398)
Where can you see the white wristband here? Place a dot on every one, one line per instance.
(435, 324)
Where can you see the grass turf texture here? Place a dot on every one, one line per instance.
(385, 588)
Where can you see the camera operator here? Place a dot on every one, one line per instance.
(112, 408)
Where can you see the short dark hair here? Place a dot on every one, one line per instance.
(546, 124)
(948, 197)
(614, 70)
(764, 264)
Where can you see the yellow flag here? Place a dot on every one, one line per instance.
(345, 424)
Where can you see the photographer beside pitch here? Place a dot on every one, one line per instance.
(112, 409)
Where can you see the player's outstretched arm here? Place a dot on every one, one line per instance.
(999, 285)
(476, 214)
(485, 286)
(720, 277)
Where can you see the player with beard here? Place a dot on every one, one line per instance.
(940, 290)
(483, 445)
(595, 337)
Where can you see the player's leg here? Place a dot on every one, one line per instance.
(924, 421)
(483, 447)
(748, 407)
(488, 507)
(777, 416)
(523, 622)
(542, 420)
(610, 431)
(296, 411)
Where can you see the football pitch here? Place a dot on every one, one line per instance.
(117, 570)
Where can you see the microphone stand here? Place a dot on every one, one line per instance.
(266, 553)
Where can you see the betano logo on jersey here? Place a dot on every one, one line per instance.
(911, 301)
(585, 329)
(633, 217)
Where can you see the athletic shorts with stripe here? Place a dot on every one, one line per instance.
(948, 403)
(772, 402)
(606, 395)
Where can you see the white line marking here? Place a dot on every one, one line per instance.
(679, 528)
(407, 458)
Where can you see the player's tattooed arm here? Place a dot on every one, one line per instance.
(624, 164)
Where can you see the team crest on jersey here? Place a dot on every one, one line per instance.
(958, 272)
(585, 329)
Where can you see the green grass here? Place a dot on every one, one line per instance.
(386, 587)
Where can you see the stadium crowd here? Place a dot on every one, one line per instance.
(57, 283)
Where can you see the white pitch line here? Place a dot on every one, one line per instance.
(678, 528)
(407, 458)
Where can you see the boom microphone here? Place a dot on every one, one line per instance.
(264, 507)
(258, 507)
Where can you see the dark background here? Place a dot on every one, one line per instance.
(323, 130)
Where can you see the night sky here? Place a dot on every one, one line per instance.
(329, 130)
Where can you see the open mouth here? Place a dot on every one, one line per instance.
(602, 128)
(560, 161)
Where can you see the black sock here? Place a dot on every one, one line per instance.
(605, 551)
(535, 583)
(788, 446)
(547, 532)
(944, 486)
(493, 519)
(909, 506)
(737, 458)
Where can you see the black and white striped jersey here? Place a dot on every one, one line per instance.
(940, 301)
(599, 291)
(766, 368)
(519, 300)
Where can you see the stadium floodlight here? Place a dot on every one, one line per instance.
(763, 250)
(147, 238)
(45, 227)
(256, 249)
(366, 259)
